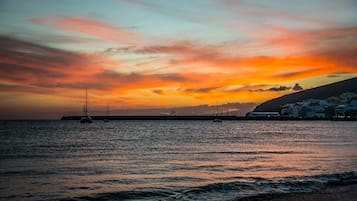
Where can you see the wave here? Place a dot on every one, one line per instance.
(251, 186)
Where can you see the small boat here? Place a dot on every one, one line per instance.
(218, 120)
(86, 118)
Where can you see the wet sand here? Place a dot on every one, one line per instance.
(335, 193)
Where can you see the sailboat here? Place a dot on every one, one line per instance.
(86, 118)
(107, 115)
(217, 114)
(217, 120)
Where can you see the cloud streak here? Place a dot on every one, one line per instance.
(273, 89)
(87, 26)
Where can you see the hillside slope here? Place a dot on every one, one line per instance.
(322, 92)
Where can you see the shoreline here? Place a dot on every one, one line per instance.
(210, 118)
(347, 192)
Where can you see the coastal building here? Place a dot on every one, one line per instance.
(344, 106)
(314, 109)
(291, 110)
(348, 110)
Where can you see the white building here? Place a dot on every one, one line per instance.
(343, 106)
(349, 110)
(315, 109)
(308, 109)
(291, 110)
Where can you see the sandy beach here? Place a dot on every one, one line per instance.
(335, 193)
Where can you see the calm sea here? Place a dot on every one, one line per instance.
(172, 160)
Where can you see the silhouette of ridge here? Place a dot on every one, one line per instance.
(321, 92)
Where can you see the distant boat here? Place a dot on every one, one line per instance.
(86, 118)
(218, 120)
(107, 115)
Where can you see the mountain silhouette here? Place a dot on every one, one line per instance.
(321, 92)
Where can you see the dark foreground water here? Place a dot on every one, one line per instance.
(172, 160)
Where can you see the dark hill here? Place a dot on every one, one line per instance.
(322, 92)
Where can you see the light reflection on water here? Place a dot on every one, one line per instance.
(60, 159)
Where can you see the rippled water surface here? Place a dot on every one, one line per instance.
(168, 160)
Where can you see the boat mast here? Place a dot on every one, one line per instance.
(86, 106)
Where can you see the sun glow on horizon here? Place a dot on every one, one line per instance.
(161, 54)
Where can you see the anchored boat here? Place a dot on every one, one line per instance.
(86, 118)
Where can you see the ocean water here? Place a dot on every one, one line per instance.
(172, 160)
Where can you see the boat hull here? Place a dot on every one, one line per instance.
(86, 119)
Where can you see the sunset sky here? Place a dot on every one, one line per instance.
(161, 53)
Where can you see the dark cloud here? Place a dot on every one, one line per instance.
(333, 75)
(171, 77)
(281, 88)
(158, 91)
(294, 74)
(272, 89)
(201, 90)
(32, 65)
(247, 87)
(337, 74)
(36, 54)
(9, 88)
(36, 64)
(289, 74)
(179, 49)
(297, 87)
(119, 50)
